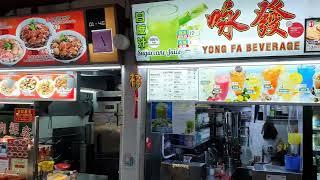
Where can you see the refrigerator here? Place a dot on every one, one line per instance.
(315, 133)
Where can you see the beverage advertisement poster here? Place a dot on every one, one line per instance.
(161, 117)
(50, 86)
(206, 29)
(312, 42)
(278, 83)
(43, 40)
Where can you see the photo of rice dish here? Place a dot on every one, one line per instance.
(45, 88)
(11, 50)
(8, 87)
(35, 34)
(28, 84)
(67, 46)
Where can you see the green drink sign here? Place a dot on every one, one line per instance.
(206, 29)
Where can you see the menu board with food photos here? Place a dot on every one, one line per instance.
(252, 83)
(274, 83)
(43, 40)
(53, 86)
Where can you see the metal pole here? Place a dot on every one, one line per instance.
(35, 146)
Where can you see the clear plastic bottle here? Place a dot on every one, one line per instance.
(73, 175)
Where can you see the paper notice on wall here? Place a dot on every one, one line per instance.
(183, 119)
(173, 84)
(19, 166)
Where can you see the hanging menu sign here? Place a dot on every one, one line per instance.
(271, 84)
(49, 86)
(179, 84)
(43, 40)
(188, 29)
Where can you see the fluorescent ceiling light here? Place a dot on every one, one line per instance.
(225, 64)
(64, 68)
(16, 102)
(90, 91)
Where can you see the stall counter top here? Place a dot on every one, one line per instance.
(83, 176)
(273, 168)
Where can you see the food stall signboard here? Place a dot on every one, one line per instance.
(204, 29)
(43, 40)
(49, 86)
(24, 115)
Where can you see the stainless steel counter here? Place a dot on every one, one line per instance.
(82, 176)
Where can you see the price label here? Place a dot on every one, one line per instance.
(267, 85)
(250, 91)
(216, 89)
(235, 86)
(303, 88)
(194, 33)
(283, 91)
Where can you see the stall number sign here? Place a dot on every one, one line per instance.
(24, 115)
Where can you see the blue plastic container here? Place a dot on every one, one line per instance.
(292, 163)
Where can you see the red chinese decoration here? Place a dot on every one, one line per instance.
(26, 132)
(269, 17)
(225, 20)
(135, 83)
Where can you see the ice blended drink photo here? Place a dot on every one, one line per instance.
(254, 84)
(163, 25)
(316, 84)
(307, 72)
(222, 82)
(237, 77)
(272, 75)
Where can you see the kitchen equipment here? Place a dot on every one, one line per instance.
(107, 118)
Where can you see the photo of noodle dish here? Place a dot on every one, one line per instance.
(64, 83)
(35, 33)
(12, 50)
(45, 88)
(8, 87)
(28, 84)
(67, 46)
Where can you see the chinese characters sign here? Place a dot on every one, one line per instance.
(24, 115)
(10, 127)
(187, 29)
